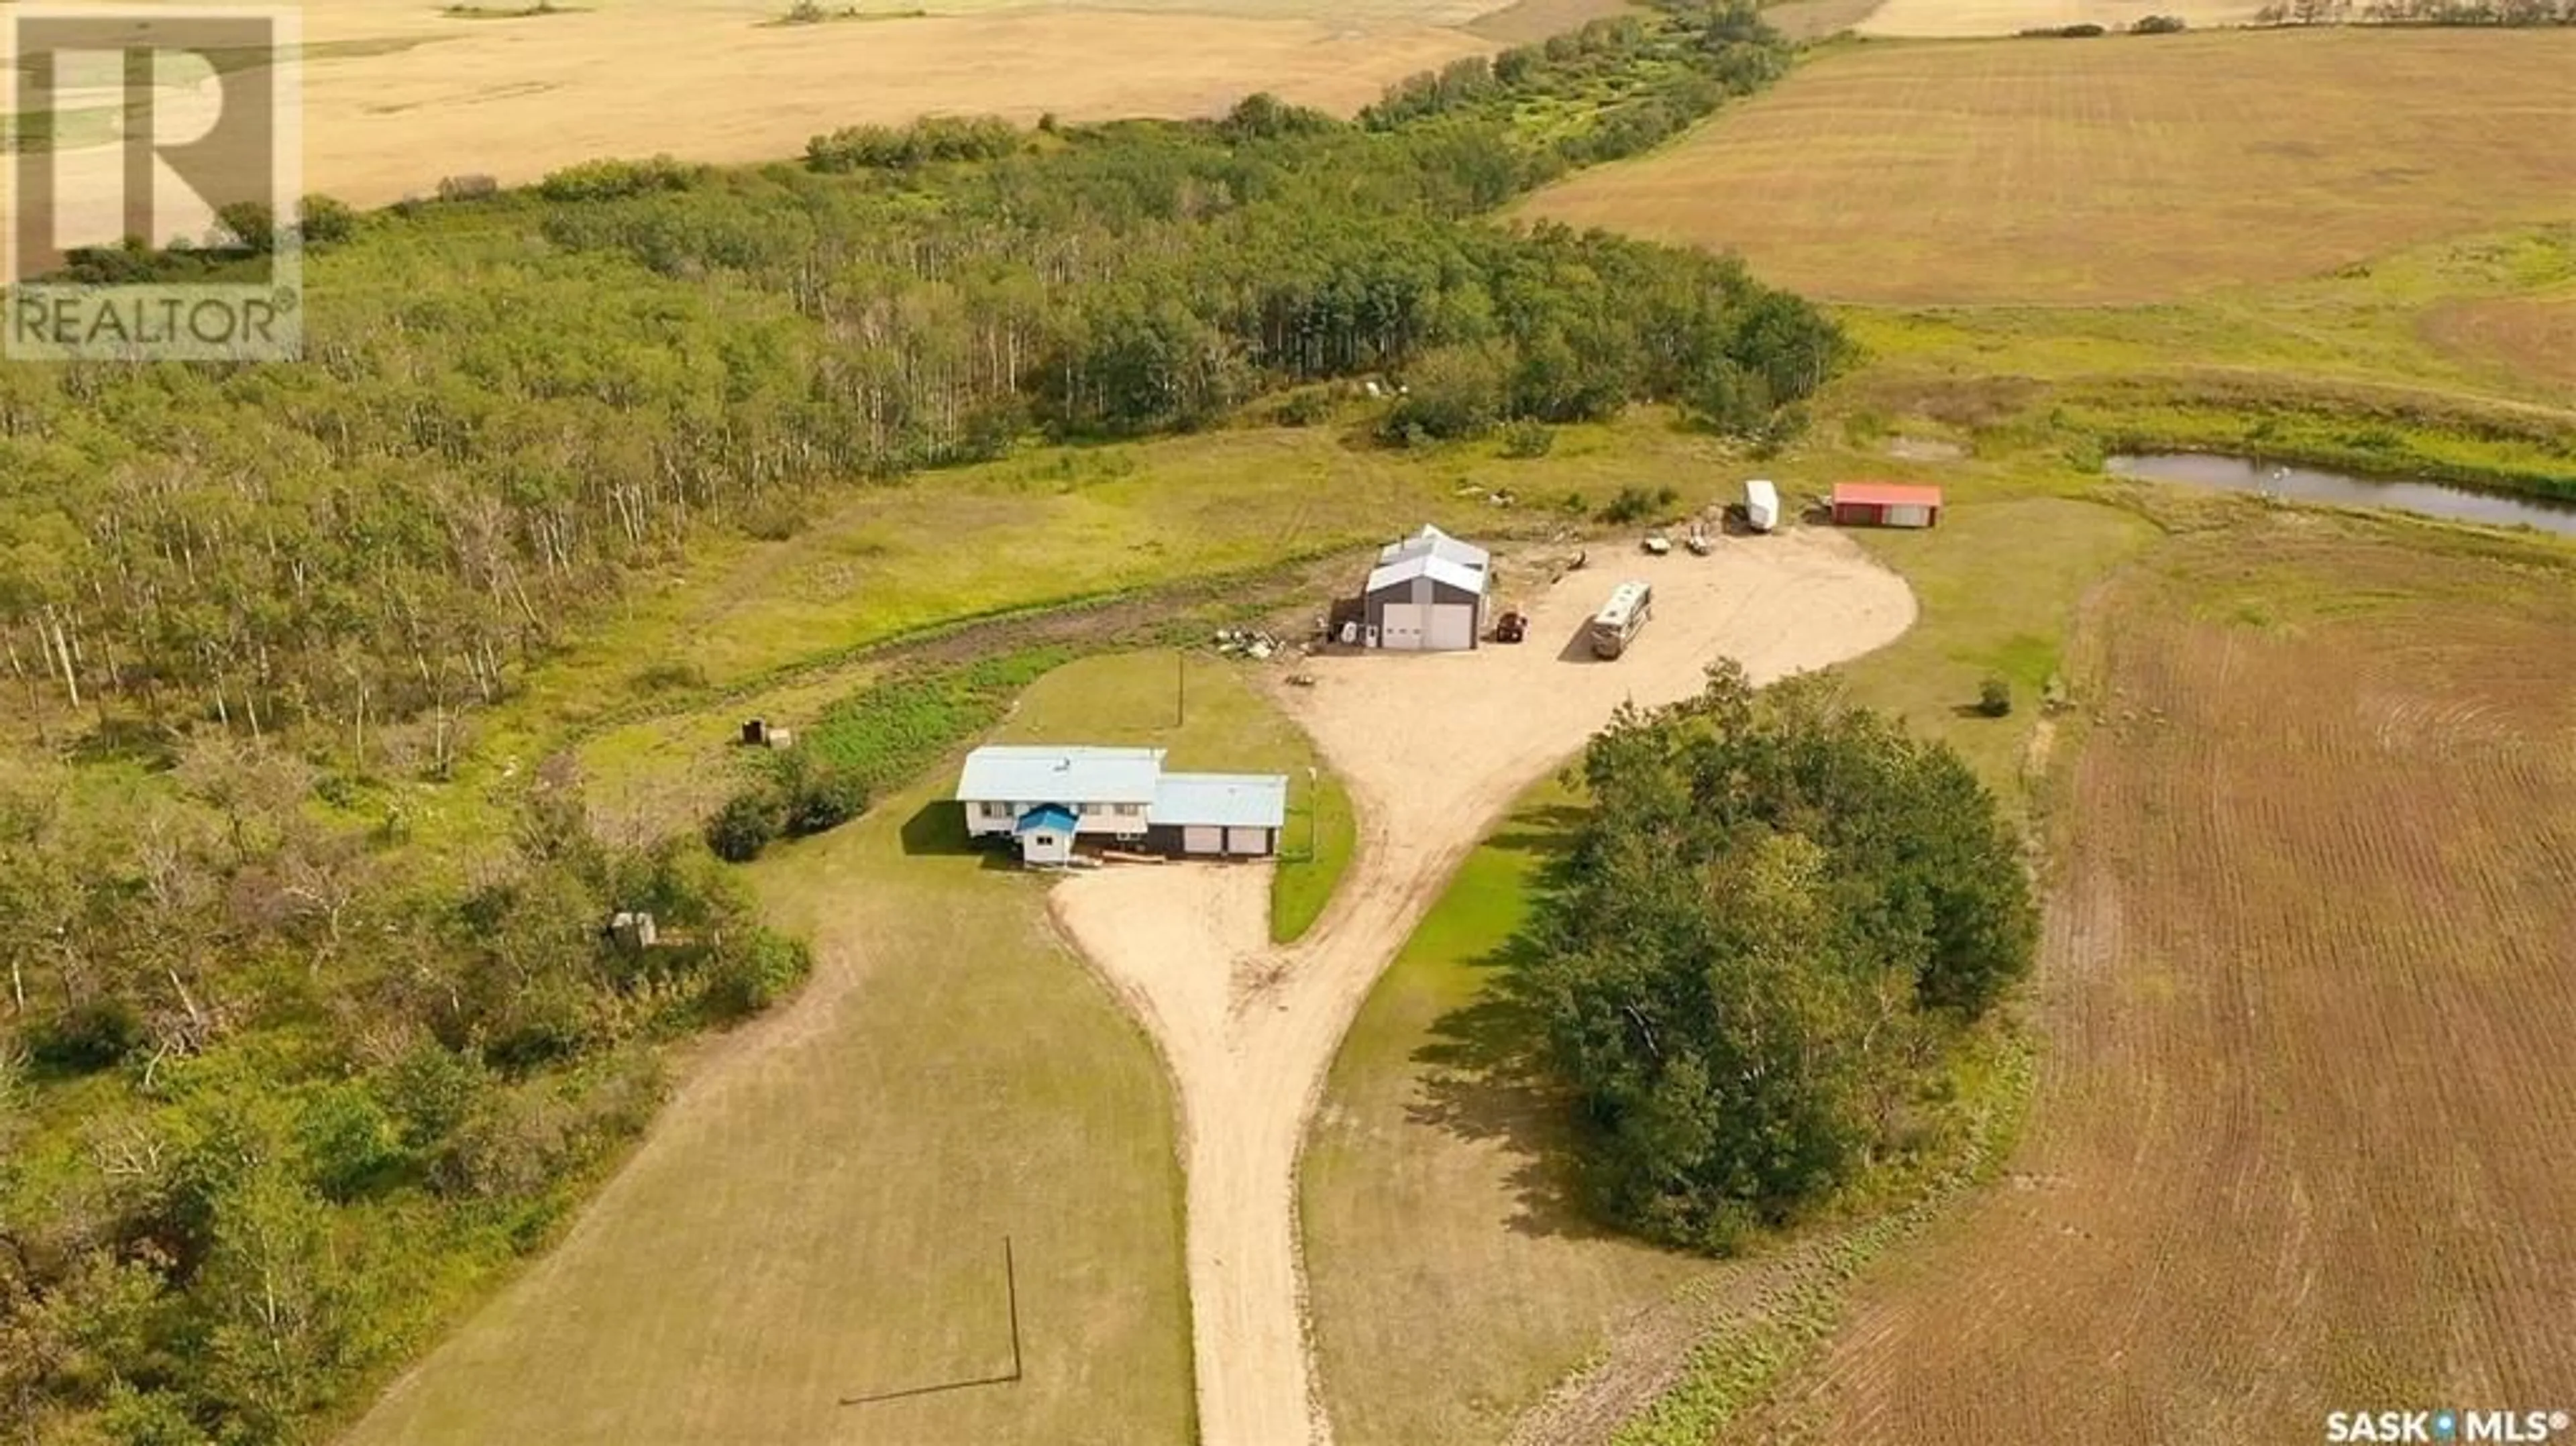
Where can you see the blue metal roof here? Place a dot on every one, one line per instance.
(1047, 817)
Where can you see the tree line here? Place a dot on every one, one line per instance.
(1779, 915)
(267, 1102)
(515, 399)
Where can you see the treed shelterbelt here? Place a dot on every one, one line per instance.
(277, 1099)
(1780, 914)
(512, 398)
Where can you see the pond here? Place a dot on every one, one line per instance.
(2307, 484)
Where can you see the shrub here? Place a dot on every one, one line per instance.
(2157, 25)
(88, 1036)
(745, 825)
(1452, 392)
(925, 141)
(750, 980)
(429, 1092)
(1636, 504)
(1528, 437)
(324, 221)
(610, 180)
(1305, 408)
(820, 796)
(471, 187)
(348, 1142)
(505, 1150)
(673, 676)
(1994, 697)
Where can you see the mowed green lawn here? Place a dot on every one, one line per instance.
(1451, 1277)
(2121, 169)
(1205, 710)
(819, 1215)
(1453, 1274)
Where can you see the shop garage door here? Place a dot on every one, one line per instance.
(1202, 840)
(1400, 626)
(1247, 840)
(1453, 625)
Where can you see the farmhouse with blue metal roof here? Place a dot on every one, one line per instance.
(1049, 798)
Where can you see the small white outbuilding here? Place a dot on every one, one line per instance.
(1761, 505)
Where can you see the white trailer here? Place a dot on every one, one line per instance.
(1761, 505)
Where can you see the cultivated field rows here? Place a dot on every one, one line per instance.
(2310, 974)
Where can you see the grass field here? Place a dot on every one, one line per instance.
(1057, 524)
(819, 1213)
(2530, 337)
(2126, 169)
(2464, 316)
(2308, 970)
(1429, 1198)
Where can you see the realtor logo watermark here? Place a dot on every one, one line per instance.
(176, 130)
(2528, 1427)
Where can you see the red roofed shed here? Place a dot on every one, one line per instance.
(1885, 504)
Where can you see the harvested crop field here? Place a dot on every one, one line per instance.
(1959, 18)
(2134, 168)
(2299, 1138)
(399, 95)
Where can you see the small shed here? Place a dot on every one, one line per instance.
(1886, 504)
(1761, 505)
(1428, 593)
(1046, 834)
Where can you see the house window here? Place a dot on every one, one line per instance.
(995, 810)
(1130, 810)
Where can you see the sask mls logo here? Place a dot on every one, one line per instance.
(2523, 1428)
(154, 173)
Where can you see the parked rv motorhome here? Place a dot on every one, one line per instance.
(1761, 505)
(1622, 618)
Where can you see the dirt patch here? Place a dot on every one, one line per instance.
(1433, 748)
(2298, 1141)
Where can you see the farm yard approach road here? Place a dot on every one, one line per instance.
(1433, 748)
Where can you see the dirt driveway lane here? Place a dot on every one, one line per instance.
(1433, 748)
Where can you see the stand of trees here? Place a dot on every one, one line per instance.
(1779, 911)
(267, 1101)
(514, 399)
